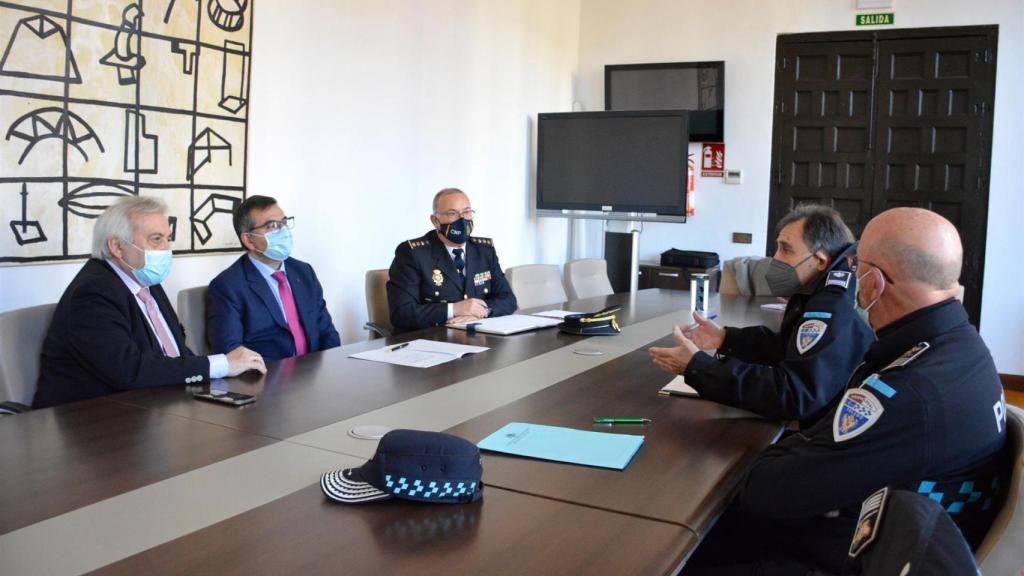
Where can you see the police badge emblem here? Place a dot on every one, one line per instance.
(858, 410)
(437, 278)
(809, 334)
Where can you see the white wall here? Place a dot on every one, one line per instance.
(361, 110)
(743, 34)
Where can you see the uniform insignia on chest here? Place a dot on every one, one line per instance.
(908, 356)
(858, 410)
(867, 523)
(481, 278)
(809, 334)
(437, 277)
(838, 278)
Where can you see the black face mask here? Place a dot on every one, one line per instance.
(782, 278)
(457, 232)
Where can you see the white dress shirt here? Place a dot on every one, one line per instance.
(218, 362)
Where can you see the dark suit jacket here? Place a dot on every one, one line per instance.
(423, 280)
(242, 311)
(99, 342)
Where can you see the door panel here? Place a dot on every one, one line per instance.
(929, 137)
(867, 121)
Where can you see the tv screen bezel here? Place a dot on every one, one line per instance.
(676, 213)
(718, 135)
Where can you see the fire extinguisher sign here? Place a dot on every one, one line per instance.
(712, 163)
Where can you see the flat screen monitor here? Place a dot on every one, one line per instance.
(632, 162)
(698, 87)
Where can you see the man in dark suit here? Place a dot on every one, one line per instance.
(114, 328)
(447, 275)
(267, 300)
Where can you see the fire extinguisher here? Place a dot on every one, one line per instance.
(690, 168)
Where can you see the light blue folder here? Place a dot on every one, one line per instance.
(601, 449)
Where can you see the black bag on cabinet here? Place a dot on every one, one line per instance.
(689, 258)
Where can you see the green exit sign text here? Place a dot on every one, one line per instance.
(880, 19)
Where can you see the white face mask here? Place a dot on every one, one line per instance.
(863, 312)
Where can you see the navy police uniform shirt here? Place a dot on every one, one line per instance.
(925, 412)
(423, 280)
(797, 373)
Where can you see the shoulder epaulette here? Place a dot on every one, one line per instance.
(840, 278)
(482, 241)
(417, 243)
(907, 356)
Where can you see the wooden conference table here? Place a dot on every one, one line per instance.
(151, 480)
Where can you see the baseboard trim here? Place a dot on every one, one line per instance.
(1012, 382)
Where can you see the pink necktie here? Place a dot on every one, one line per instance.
(291, 313)
(154, 318)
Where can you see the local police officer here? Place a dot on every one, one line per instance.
(796, 373)
(925, 412)
(447, 275)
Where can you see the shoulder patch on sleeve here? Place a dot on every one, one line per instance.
(417, 243)
(809, 333)
(858, 411)
(907, 356)
(867, 523)
(839, 278)
(482, 241)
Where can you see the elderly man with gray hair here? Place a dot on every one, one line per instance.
(114, 328)
(925, 412)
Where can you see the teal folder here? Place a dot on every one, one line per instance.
(602, 449)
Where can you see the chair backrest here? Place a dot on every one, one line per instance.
(536, 285)
(1000, 551)
(745, 275)
(192, 315)
(22, 333)
(377, 310)
(587, 278)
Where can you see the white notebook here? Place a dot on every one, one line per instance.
(512, 324)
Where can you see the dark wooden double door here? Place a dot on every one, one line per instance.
(867, 121)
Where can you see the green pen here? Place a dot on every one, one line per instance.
(598, 420)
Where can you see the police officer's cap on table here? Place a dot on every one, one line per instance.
(412, 465)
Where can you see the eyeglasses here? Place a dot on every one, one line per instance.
(275, 225)
(854, 263)
(468, 214)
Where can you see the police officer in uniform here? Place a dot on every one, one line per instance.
(797, 373)
(924, 412)
(447, 275)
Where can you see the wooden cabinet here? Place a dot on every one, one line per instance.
(675, 278)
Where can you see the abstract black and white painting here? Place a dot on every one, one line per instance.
(107, 98)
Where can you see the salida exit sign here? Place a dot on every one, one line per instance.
(879, 19)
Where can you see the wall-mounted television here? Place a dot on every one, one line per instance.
(613, 162)
(698, 87)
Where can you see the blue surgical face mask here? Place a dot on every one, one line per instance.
(457, 232)
(279, 244)
(156, 268)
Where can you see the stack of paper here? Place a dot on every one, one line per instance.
(678, 387)
(512, 324)
(419, 353)
(600, 449)
(556, 313)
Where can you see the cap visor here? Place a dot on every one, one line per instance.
(348, 487)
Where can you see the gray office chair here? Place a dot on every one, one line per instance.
(377, 312)
(536, 285)
(587, 278)
(745, 275)
(1000, 551)
(22, 333)
(192, 314)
